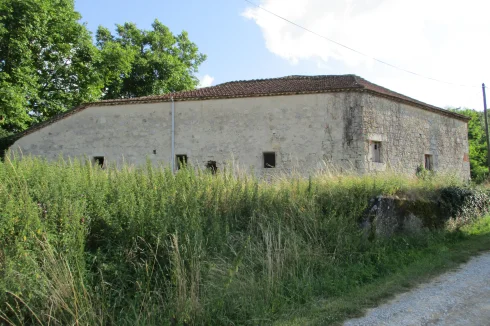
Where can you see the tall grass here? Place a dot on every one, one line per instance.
(141, 245)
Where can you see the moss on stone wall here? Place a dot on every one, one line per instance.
(388, 215)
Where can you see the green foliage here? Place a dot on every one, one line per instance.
(463, 202)
(46, 61)
(80, 244)
(4, 133)
(477, 143)
(140, 62)
(423, 173)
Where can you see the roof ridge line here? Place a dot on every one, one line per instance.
(283, 77)
(357, 80)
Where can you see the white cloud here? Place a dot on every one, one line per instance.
(444, 39)
(205, 81)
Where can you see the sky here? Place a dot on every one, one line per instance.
(445, 40)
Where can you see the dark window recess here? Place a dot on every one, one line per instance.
(99, 160)
(376, 151)
(269, 160)
(212, 166)
(429, 164)
(181, 161)
(154, 151)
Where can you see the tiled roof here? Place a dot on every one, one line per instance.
(259, 87)
(289, 85)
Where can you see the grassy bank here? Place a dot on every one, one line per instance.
(438, 257)
(141, 246)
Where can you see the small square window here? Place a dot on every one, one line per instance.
(212, 166)
(429, 163)
(99, 160)
(181, 161)
(375, 149)
(269, 160)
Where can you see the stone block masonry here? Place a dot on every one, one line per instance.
(304, 131)
(408, 133)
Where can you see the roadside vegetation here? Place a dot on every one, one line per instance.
(477, 143)
(444, 252)
(142, 246)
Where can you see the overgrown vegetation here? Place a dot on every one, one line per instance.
(477, 143)
(435, 258)
(142, 246)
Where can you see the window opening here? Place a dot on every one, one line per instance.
(181, 161)
(99, 160)
(212, 166)
(429, 164)
(269, 160)
(376, 151)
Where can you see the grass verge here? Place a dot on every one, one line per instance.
(434, 260)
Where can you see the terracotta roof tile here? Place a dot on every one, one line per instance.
(258, 87)
(289, 85)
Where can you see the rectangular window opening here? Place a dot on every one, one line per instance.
(181, 161)
(212, 166)
(376, 151)
(429, 164)
(99, 160)
(269, 160)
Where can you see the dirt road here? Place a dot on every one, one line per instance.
(461, 297)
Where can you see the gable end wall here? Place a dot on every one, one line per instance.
(407, 133)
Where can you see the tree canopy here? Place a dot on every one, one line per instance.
(49, 62)
(147, 62)
(46, 61)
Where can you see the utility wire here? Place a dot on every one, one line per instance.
(354, 50)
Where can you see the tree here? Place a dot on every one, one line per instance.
(477, 143)
(46, 61)
(139, 62)
(49, 63)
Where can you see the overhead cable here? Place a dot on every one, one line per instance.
(356, 51)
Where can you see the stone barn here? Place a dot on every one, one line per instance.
(297, 123)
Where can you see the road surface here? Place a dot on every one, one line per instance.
(460, 297)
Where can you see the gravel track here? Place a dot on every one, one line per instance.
(461, 297)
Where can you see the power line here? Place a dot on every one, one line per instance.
(356, 51)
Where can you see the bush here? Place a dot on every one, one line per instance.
(463, 203)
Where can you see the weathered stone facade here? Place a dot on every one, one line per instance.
(305, 131)
(408, 133)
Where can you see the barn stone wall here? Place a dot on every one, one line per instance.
(407, 133)
(303, 130)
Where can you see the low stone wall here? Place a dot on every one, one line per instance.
(390, 215)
